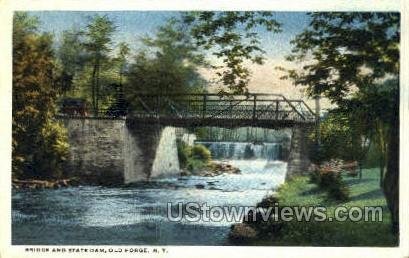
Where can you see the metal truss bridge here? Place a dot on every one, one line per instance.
(187, 110)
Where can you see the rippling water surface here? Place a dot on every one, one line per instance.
(137, 214)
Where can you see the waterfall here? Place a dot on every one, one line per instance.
(244, 150)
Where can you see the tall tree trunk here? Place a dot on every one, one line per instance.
(94, 70)
(382, 164)
(97, 87)
(360, 169)
(381, 139)
(391, 179)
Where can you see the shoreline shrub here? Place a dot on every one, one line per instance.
(200, 152)
(193, 157)
(330, 180)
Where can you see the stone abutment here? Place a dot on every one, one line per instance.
(116, 151)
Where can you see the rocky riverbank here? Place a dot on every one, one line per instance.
(212, 169)
(44, 184)
(254, 226)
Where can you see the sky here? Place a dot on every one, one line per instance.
(132, 25)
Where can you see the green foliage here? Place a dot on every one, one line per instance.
(160, 75)
(193, 158)
(200, 152)
(231, 37)
(184, 153)
(315, 177)
(39, 143)
(346, 52)
(123, 53)
(331, 182)
(377, 105)
(299, 192)
(348, 49)
(340, 138)
(53, 148)
(194, 164)
(72, 57)
(87, 68)
(99, 32)
(372, 158)
(360, 128)
(201, 132)
(170, 61)
(98, 39)
(168, 65)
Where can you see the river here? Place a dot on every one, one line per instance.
(137, 214)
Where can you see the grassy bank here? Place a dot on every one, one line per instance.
(365, 192)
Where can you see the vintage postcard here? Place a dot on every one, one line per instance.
(204, 129)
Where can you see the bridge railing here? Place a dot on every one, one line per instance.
(215, 106)
(73, 112)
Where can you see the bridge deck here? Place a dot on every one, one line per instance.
(261, 110)
(225, 123)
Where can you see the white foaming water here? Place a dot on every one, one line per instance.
(258, 179)
(243, 150)
(140, 211)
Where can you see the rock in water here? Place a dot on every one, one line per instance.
(185, 172)
(268, 201)
(200, 186)
(242, 233)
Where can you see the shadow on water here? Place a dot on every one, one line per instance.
(134, 234)
(137, 213)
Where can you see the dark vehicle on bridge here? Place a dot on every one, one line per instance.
(74, 107)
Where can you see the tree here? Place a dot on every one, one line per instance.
(123, 54)
(117, 105)
(377, 105)
(39, 142)
(230, 37)
(72, 57)
(169, 65)
(343, 136)
(347, 52)
(98, 38)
